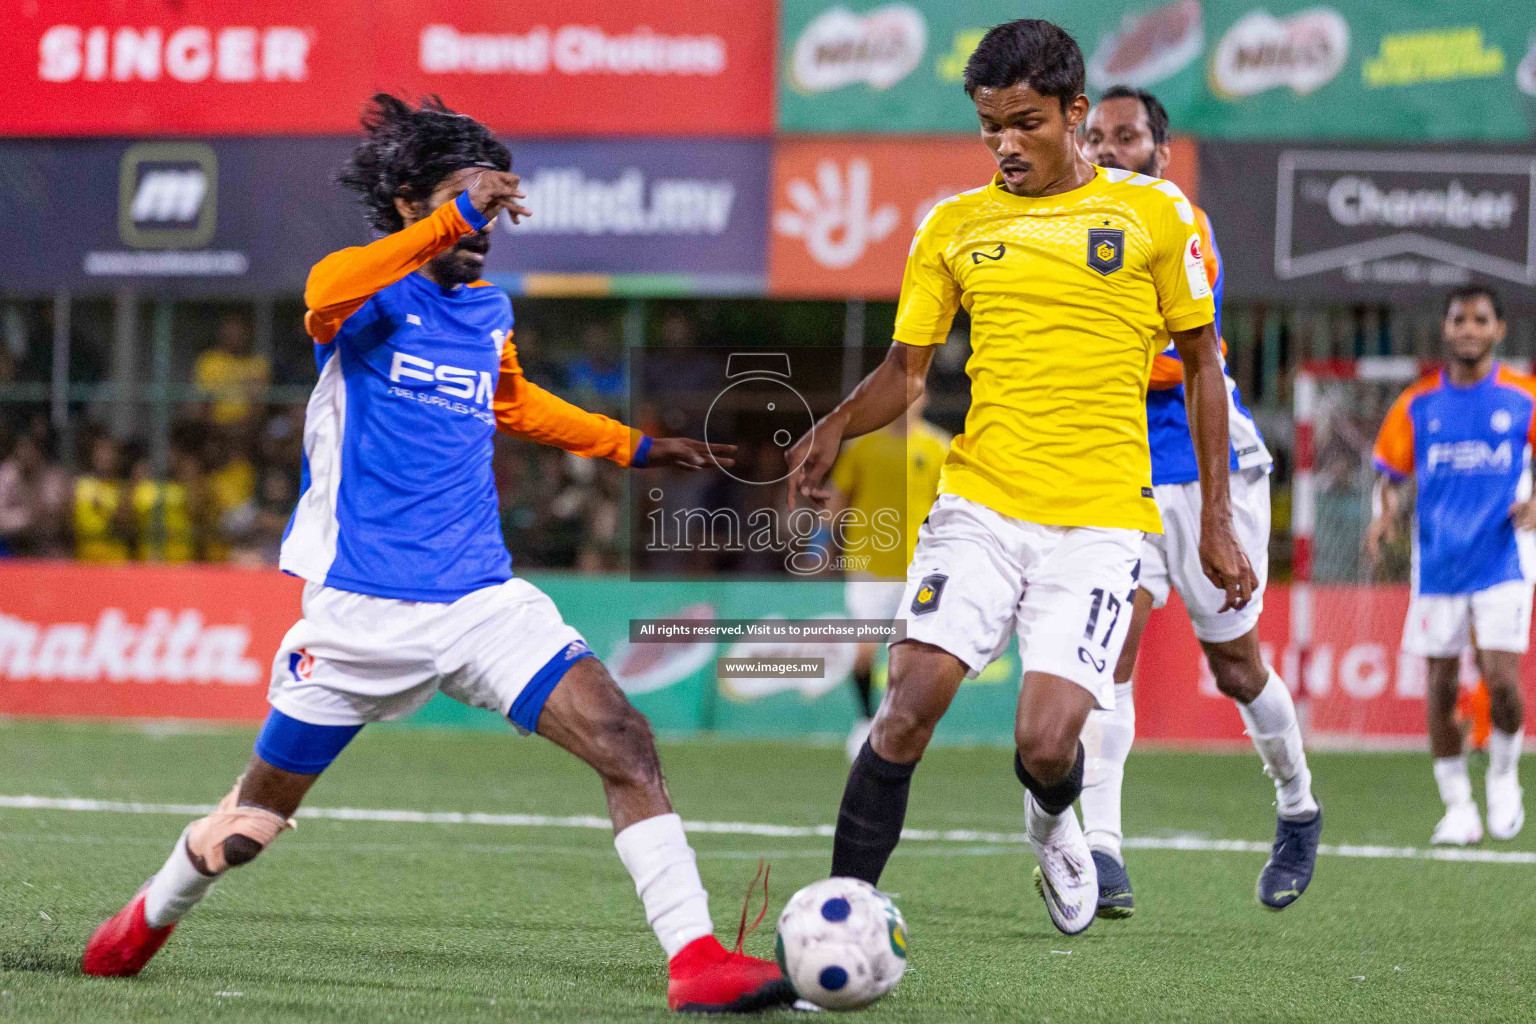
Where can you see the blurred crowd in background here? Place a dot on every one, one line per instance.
(210, 470)
(223, 487)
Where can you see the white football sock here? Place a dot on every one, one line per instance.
(1504, 751)
(1039, 825)
(1454, 782)
(1271, 723)
(666, 875)
(1107, 738)
(176, 888)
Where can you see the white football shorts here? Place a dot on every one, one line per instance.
(873, 597)
(1173, 559)
(979, 575)
(354, 658)
(1442, 625)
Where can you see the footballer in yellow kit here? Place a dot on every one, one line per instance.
(1045, 496)
(1075, 278)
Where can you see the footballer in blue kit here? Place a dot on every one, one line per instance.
(409, 589)
(1464, 436)
(1128, 129)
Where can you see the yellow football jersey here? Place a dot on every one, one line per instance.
(899, 475)
(1071, 297)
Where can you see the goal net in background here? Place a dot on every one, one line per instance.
(1345, 612)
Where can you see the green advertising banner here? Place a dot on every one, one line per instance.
(676, 685)
(1413, 69)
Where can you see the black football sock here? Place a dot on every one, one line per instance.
(865, 687)
(1057, 798)
(870, 818)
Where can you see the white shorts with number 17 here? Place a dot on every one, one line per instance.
(979, 576)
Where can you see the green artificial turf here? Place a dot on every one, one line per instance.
(383, 921)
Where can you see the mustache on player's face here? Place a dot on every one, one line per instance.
(1014, 165)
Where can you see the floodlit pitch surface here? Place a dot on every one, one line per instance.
(455, 917)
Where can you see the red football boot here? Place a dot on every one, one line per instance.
(708, 978)
(705, 977)
(124, 943)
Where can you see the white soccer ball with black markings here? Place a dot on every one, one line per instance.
(842, 944)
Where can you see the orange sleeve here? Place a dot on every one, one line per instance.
(1394, 442)
(1167, 371)
(525, 410)
(1521, 382)
(339, 284)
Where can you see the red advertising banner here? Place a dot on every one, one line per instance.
(581, 67)
(140, 642)
(197, 643)
(843, 209)
(1359, 688)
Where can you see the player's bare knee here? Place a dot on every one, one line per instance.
(1241, 679)
(1506, 705)
(901, 732)
(1047, 750)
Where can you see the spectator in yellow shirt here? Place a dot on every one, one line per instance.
(171, 515)
(104, 526)
(234, 378)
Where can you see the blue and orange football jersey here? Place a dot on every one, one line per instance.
(398, 498)
(1469, 449)
(1173, 450)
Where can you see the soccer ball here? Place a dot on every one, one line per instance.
(842, 943)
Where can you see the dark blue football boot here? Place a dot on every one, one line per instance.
(1114, 888)
(1291, 860)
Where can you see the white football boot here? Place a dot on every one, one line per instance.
(1461, 826)
(1066, 878)
(1506, 810)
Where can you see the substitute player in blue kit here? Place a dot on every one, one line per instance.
(1465, 435)
(409, 585)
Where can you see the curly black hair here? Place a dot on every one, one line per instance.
(409, 150)
(1032, 51)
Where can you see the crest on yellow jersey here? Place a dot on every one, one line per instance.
(1106, 249)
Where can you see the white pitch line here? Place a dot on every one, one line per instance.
(1191, 844)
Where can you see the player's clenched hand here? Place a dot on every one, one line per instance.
(1223, 561)
(686, 453)
(810, 460)
(1383, 531)
(494, 191)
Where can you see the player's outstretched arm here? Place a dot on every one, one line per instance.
(1221, 556)
(1393, 458)
(340, 283)
(877, 400)
(525, 410)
